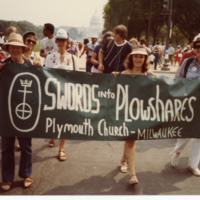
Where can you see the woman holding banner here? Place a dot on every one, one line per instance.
(136, 64)
(15, 47)
(61, 60)
(190, 68)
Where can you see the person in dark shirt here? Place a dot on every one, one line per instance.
(114, 51)
(95, 54)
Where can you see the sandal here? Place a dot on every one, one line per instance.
(6, 186)
(51, 143)
(28, 182)
(124, 167)
(133, 179)
(62, 155)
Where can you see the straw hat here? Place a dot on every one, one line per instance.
(139, 50)
(15, 39)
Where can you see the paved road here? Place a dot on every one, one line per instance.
(92, 168)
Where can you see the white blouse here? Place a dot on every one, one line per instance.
(69, 63)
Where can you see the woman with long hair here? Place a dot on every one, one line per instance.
(136, 64)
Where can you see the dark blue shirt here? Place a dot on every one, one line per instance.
(193, 69)
(115, 55)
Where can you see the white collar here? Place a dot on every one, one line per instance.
(125, 41)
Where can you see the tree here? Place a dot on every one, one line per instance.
(124, 12)
(21, 26)
(186, 17)
(136, 15)
(74, 33)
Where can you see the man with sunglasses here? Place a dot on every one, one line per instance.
(30, 39)
(193, 71)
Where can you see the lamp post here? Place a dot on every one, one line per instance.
(128, 19)
(169, 32)
(149, 22)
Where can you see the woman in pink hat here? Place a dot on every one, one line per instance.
(15, 47)
(136, 64)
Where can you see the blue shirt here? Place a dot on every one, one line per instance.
(91, 46)
(193, 69)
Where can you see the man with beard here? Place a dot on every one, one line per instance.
(48, 45)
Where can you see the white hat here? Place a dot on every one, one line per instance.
(61, 34)
(15, 39)
(139, 50)
(94, 36)
(196, 39)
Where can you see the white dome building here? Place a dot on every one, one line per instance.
(95, 27)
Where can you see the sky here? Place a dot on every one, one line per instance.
(76, 13)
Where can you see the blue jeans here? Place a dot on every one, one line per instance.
(157, 58)
(8, 158)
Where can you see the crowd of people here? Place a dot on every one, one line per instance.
(112, 54)
(156, 53)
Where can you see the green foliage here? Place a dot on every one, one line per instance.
(22, 27)
(136, 15)
(74, 34)
(186, 17)
(37, 47)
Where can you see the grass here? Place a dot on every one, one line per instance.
(37, 47)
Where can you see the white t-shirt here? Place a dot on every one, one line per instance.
(170, 51)
(49, 45)
(2, 39)
(53, 61)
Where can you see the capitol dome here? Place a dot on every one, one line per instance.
(95, 27)
(95, 21)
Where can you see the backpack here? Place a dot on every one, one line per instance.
(189, 61)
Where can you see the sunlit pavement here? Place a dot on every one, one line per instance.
(92, 168)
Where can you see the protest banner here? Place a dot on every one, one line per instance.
(41, 102)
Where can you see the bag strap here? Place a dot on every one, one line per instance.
(189, 61)
(73, 62)
(118, 59)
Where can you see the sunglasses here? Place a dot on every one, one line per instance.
(31, 41)
(197, 47)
